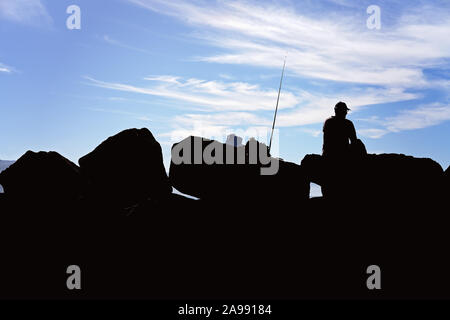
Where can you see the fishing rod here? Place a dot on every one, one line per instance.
(278, 100)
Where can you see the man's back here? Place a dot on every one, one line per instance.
(336, 135)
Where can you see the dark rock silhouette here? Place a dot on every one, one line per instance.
(383, 177)
(42, 175)
(236, 176)
(447, 175)
(127, 168)
(446, 184)
(248, 237)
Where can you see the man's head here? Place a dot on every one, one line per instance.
(340, 109)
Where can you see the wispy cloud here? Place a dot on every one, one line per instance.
(108, 39)
(223, 105)
(133, 115)
(6, 69)
(369, 67)
(226, 76)
(228, 119)
(31, 12)
(318, 106)
(372, 133)
(298, 107)
(418, 118)
(210, 95)
(412, 119)
(323, 47)
(314, 132)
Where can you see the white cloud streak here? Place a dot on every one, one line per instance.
(297, 107)
(29, 12)
(108, 39)
(318, 107)
(372, 133)
(237, 104)
(5, 69)
(391, 63)
(422, 117)
(211, 95)
(324, 48)
(412, 119)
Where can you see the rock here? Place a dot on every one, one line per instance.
(45, 175)
(446, 187)
(191, 176)
(314, 166)
(378, 177)
(208, 169)
(402, 175)
(127, 168)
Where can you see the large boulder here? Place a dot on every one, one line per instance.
(127, 168)
(42, 175)
(376, 176)
(208, 169)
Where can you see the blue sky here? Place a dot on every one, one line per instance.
(212, 67)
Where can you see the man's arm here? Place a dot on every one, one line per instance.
(325, 137)
(352, 132)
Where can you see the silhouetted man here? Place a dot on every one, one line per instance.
(337, 133)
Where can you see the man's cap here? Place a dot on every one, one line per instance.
(341, 106)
